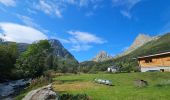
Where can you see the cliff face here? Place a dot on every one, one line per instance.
(140, 40)
(60, 51)
(102, 56)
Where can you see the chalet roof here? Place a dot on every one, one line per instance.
(154, 55)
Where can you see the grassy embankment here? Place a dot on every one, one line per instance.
(123, 89)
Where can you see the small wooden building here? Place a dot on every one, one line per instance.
(155, 62)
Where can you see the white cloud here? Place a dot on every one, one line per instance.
(44, 7)
(50, 8)
(85, 37)
(82, 41)
(62, 40)
(78, 48)
(28, 21)
(57, 7)
(126, 14)
(8, 2)
(129, 4)
(71, 1)
(58, 13)
(126, 6)
(83, 3)
(20, 33)
(31, 22)
(31, 11)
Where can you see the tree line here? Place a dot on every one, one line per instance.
(34, 62)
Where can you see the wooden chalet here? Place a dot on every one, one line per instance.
(155, 62)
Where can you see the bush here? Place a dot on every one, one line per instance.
(49, 74)
(35, 83)
(73, 97)
(40, 81)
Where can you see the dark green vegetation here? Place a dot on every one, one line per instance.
(128, 62)
(93, 67)
(123, 87)
(73, 97)
(34, 61)
(20, 60)
(8, 56)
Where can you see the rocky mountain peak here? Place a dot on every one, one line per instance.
(140, 40)
(102, 56)
(55, 43)
(59, 50)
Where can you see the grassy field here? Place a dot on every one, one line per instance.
(123, 89)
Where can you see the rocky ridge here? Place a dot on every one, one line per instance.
(140, 40)
(102, 56)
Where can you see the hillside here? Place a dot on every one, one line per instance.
(162, 44)
(127, 62)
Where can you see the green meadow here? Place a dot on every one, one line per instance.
(123, 86)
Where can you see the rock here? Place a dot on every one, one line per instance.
(102, 56)
(43, 93)
(140, 83)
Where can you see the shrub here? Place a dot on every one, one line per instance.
(39, 81)
(74, 97)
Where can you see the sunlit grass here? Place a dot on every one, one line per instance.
(123, 89)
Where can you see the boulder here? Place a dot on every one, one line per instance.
(140, 83)
(43, 93)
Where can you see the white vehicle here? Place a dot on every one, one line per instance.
(108, 82)
(101, 81)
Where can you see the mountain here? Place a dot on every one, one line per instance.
(140, 40)
(58, 49)
(156, 45)
(102, 56)
(127, 63)
(22, 46)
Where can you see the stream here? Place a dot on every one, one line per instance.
(8, 90)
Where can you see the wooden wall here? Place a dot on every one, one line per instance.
(156, 62)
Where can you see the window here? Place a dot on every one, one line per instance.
(162, 70)
(148, 60)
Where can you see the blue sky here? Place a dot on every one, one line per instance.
(84, 27)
